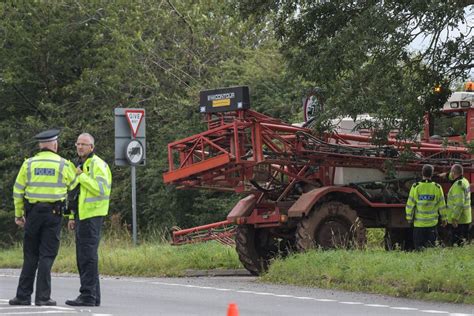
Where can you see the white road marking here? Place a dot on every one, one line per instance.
(282, 295)
(405, 308)
(263, 293)
(324, 300)
(36, 307)
(376, 305)
(309, 298)
(43, 312)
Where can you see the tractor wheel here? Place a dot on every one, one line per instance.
(256, 248)
(398, 238)
(330, 225)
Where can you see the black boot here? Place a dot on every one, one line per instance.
(18, 301)
(49, 302)
(79, 301)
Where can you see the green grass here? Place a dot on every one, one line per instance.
(440, 274)
(149, 259)
(435, 274)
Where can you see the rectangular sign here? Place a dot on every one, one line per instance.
(124, 134)
(224, 99)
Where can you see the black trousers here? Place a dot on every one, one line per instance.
(87, 243)
(40, 248)
(424, 237)
(460, 234)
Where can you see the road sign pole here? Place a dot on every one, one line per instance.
(130, 148)
(134, 206)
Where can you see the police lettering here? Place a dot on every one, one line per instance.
(426, 197)
(45, 172)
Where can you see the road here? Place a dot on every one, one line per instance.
(211, 296)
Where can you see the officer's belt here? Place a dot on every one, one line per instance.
(47, 206)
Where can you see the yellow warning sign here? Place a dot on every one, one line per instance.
(223, 102)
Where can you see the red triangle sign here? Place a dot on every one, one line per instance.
(134, 118)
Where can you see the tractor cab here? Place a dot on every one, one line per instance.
(455, 120)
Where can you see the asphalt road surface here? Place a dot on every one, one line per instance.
(212, 295)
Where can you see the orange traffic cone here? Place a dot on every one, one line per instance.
(232, 310)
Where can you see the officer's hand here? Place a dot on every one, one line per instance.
(410, 222)
(71, 225)
(78, 170)
(444, 223)
(455, 223)
(20, 221)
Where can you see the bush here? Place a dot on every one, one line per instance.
(9, 231)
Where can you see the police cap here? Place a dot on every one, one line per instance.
(47, 136)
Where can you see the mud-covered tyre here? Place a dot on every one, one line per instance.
(256, 248)
(398, 239)
(331, 225)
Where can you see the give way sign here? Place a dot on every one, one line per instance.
(134, 118)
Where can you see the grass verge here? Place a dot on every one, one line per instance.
(149, 259)
(441, 274)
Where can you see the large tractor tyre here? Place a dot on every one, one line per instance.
(256, 248)
(398, 239)
(331, 225)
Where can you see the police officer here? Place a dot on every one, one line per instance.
(38, 194)
(425, 204)
(459, 205)
(95, 181)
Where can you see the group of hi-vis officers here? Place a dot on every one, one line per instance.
(426, 204)
(44, 184)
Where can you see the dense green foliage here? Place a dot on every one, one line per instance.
(378, 57)
(68, 64)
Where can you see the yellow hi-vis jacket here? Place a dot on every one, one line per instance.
(425, 202)
(459, 202)
(96, 184)
(45, 177)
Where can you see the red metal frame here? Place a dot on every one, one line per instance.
(220, 231)
(246, 151)
(238, 144)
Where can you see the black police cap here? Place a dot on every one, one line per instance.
(47, 136)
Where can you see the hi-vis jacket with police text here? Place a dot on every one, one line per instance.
(96, 184)
(459, 202)
(45, 177)
(425, 202)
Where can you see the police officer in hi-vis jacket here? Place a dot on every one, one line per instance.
(424, 206)
(95, 182)
(459, 206)
(39, 195)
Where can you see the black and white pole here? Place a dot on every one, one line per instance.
(134, 156)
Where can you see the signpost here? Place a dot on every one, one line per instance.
(130, 149)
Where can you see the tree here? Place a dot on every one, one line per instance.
(68, 64)
(361, 53)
